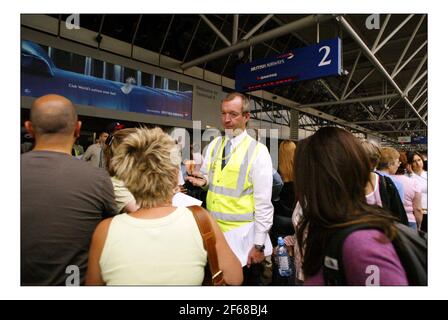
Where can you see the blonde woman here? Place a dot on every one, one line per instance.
(158, 244)
(394, 163)
(372, 189)
(380, 189)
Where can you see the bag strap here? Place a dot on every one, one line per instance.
(333, 266)
(208, 236)
(412, 249)
(390, 197)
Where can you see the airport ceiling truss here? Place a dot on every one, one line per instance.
(383, 88)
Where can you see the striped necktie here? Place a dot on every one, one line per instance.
(226, 154)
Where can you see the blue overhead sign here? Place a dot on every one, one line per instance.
(313, 62)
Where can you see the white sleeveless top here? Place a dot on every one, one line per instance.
(374, 197)
(163, 251)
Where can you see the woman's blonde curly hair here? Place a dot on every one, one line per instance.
(147, 161)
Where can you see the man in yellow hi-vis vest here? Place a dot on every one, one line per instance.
(237, 171)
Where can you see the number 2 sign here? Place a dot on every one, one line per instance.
(312, 62)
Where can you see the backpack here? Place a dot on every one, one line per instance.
(391, 200)
(411, 247)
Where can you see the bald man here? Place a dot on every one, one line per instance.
(62, 198)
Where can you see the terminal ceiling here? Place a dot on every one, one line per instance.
(400, 46)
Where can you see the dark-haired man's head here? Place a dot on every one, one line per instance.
(103, 138)
(53, 122)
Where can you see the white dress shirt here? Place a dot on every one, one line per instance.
(260, 175)
(422, 181)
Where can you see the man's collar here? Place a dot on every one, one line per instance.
(236, 139)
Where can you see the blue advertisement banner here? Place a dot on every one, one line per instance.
(313, 62)
(419, 140)
(40, 76)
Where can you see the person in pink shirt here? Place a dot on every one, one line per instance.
(416, 172)
(412, 193)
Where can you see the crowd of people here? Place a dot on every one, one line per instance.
(108, 213)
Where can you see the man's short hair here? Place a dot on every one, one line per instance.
(58, 119)
(244, 98)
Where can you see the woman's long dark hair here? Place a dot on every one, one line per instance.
(331, 172)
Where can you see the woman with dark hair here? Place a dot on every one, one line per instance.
(330, 182)
(412, 193)
(416, 172)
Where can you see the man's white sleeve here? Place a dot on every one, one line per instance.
(261, 176)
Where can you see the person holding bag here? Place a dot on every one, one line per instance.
(158, 244)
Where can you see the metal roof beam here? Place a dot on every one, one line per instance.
(368, 111)
(204, 66)
(424, 104)
(377, 63)
(166, 36)
(402, 131)
(258, 26)
(191, 40)
(135, 34)
(271, 34)
(347, 101)
(398, 40)
(235, 29)
(419, 67)
(401, 25)
(408, 44)
(385, 121)
(359, 83)
(218, 33)
(380, 34)
(388, 110)
(410, 85)
(351, 75)
(419, 95)
(410, 59)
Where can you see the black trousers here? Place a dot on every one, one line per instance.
(252, 275)
(424, 226)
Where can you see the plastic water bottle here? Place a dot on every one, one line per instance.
(284, 263)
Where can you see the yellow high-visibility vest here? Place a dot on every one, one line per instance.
(230, 197)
